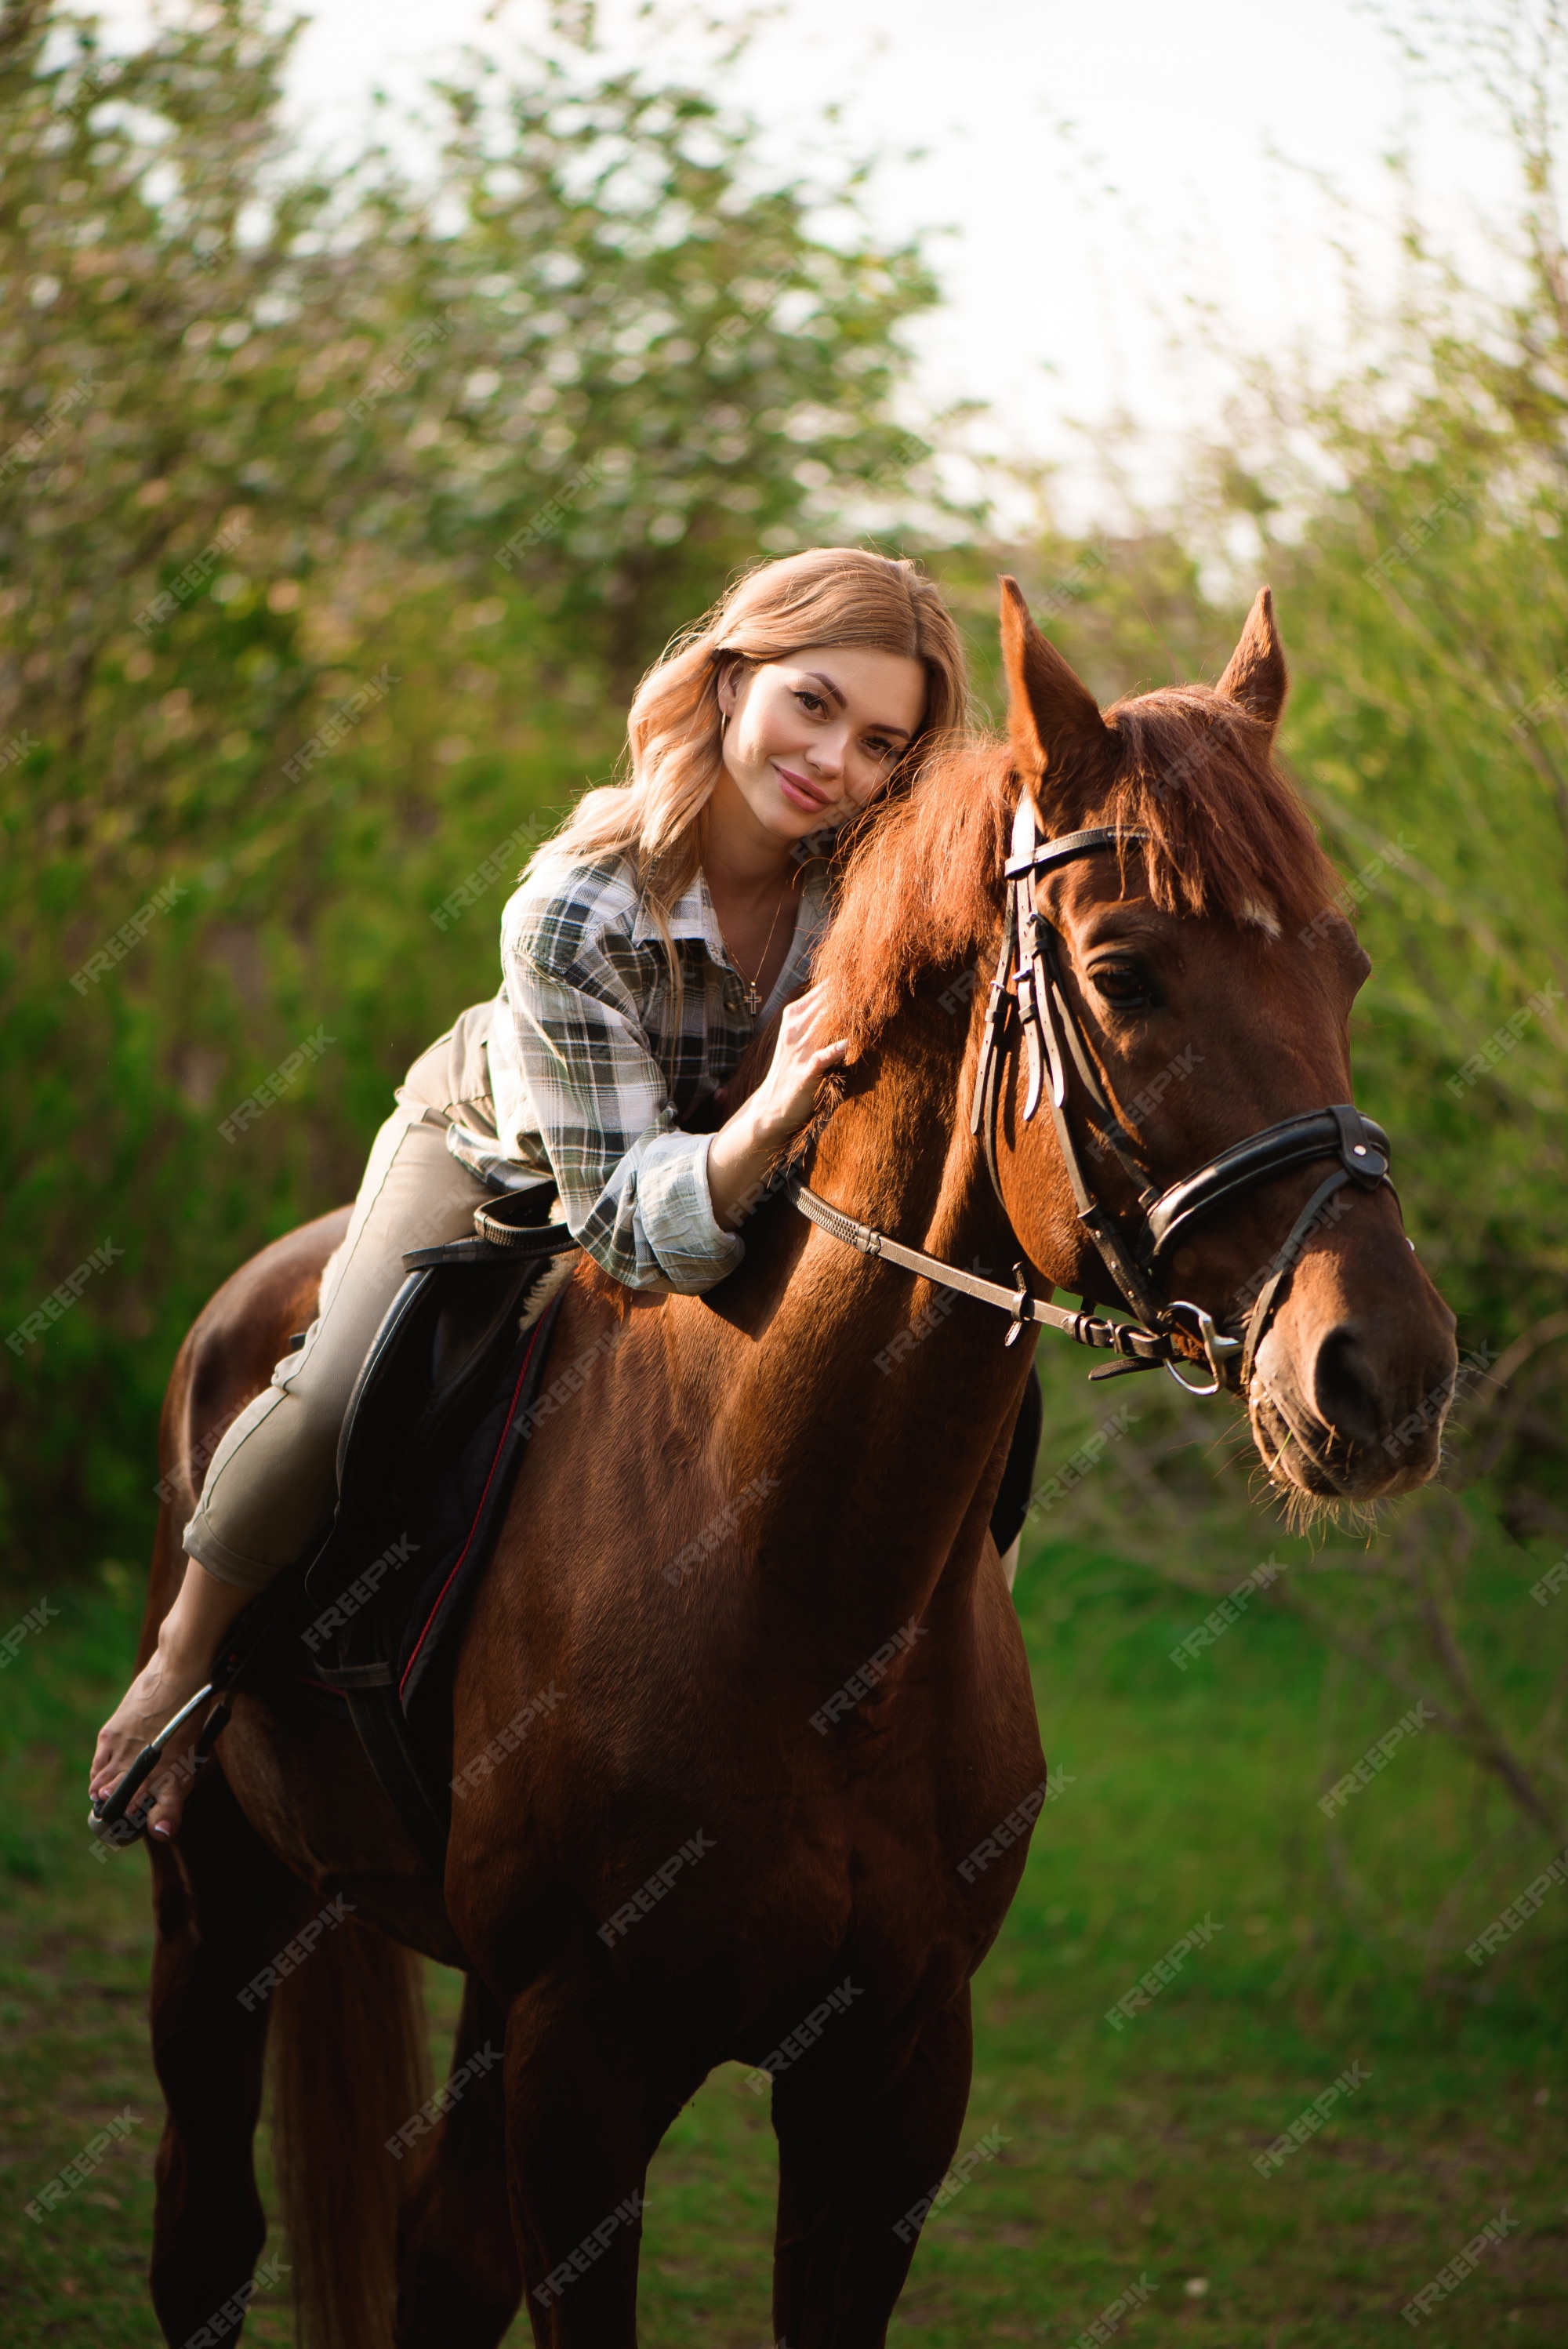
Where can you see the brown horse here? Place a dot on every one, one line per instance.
(747, 1604)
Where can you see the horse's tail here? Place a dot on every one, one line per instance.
(350, 2065)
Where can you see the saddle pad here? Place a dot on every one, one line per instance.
(458, 1526)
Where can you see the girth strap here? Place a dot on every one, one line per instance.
(374, 1675)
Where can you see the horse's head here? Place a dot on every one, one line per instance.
(1160, 1074)
(1203, 976)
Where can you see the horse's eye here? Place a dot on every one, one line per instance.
(1123, 986)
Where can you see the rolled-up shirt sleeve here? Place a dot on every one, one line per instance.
(632, 1185)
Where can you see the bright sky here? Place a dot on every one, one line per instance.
(1106, 175)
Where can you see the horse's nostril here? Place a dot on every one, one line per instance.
(1345, 1387)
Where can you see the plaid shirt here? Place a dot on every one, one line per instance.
(592, 1078)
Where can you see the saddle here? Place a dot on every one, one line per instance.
(430, 1447)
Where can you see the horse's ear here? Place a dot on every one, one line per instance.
(1256, 675)
(1051, 713)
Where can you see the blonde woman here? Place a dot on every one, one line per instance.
(669, 918)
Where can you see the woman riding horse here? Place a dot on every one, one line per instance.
(746, 1598)
(666, 921)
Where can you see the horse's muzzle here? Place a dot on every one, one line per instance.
(1349, 1417)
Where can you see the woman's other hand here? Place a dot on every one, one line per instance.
(743, 1149)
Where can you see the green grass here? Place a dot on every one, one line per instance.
(1124, 2155)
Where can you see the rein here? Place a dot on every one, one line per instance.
(1051, 1034)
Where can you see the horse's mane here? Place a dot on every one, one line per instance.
(1229, 840)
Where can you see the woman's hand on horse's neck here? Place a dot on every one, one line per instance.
(743, 1150)
(884, 1401)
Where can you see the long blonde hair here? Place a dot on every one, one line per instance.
(828, 595)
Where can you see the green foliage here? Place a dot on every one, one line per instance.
(1434, 1610)
(337, 518)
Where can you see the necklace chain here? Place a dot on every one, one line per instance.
(753, 999)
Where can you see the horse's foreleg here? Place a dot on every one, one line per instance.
(583, 2116)
(855, 2165)
(225, 1907)
(459, 2282)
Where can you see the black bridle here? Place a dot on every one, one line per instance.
(1051, 1035)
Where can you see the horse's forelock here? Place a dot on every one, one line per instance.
(1229, 841)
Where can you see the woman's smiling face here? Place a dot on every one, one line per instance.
(810, 740)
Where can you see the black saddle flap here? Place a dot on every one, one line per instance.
(430, 1444)
(395, 1634)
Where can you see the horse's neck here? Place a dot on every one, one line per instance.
(899, 1151)
(901, 1392)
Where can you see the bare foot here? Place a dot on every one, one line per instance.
(163, 1684)
(204, 1612)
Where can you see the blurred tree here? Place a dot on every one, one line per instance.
(338, 516)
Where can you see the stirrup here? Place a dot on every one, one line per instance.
(107, 1814)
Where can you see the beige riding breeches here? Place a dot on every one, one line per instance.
(272, 1486)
